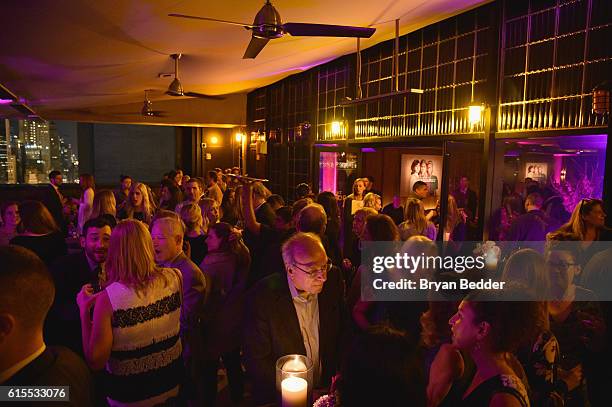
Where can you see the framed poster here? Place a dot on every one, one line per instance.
(426, 168)
(536, 171)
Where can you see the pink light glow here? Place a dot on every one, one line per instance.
(328, 173)
(6, 101)
(557, 167)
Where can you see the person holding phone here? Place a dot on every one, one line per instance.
(70, 273)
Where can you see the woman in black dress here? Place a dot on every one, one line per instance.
(195, 233)
(39, 232)
(138, 205)
(488, 329)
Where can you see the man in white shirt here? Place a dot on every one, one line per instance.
(214, 191)
(301, 312)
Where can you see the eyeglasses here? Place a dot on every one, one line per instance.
(313, 273)
(563, 265)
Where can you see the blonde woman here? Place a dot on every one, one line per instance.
(138, 206)
(195, 231)
(415, 222)
(587, 220)
(352, 203)
(372, 200)
(210, 210)
(104, 203)
(455, 222)
(134, 334)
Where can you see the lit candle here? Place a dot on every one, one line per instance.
(294, 392)
(294, 365)
(491, 259)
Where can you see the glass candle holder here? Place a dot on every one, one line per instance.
(294, 380)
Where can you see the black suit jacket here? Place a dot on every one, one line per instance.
(272, 330)
(264, 214)
(63, 325)
(52, 201)
(57, 366)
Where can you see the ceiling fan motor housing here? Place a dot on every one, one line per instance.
(175, 88)
(267, 23)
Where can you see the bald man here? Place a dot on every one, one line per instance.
(312, 219)
(299, 312)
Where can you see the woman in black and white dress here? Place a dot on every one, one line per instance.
(134, 334)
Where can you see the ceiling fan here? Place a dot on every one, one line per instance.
(267, 25)
(147, 108)
(176, 88)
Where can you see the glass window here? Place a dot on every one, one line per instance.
(337, 169)
(562, 170)
(30, 149)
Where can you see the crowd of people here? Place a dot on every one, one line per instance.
(169, 287)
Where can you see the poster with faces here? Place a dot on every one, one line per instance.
(536, 171)
(426, 168)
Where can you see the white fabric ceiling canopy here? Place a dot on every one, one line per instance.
(91, 61)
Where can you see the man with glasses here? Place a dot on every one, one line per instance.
(300, 312)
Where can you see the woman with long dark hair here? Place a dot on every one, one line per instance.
(329, 203)
(9, 212)
(170, 195)
(227, 264)
(489, 329)
(39, 232)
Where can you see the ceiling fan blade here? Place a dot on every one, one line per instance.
(255, 47)
(325, 30)
(202, 96)
(211, 19)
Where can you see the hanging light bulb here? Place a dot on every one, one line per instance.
(475, 114)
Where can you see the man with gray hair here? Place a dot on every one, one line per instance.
(300, 312)
(167, 234)
(312, 219)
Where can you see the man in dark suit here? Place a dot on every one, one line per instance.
(27, 291)
(71, 273)
(54, 200)
(264, 215)
(263, 210)
(300, 312)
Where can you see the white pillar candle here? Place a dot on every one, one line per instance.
(294, 365)
(294, 392)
